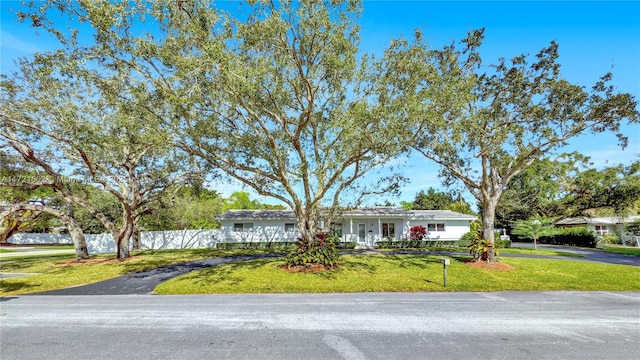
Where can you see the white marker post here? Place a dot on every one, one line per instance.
(445, 262)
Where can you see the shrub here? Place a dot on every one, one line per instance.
(574, 236)
(479, 249)
(467, 238)
(322, 251)
(273, 245)
(414, 244)
(346, 245)
(611, 239)
(504, 244)
(633, 228)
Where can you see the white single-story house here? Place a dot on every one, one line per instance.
(601, 225)
(365, 226)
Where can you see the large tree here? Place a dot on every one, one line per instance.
(496, 121)
(613, 190)
(539, 190)
(85, 103)
(286, 104)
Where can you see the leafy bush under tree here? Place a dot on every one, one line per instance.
(322, 250)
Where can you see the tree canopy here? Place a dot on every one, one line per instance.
(496, 121)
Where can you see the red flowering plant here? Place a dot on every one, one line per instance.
(417, 233)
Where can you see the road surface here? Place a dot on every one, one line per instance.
(502, 325)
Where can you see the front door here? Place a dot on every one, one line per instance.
(362, 233)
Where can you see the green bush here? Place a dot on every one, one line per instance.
(502, 244)
(322, 251)
(574, 236)
(633, 228)
(467, 238)
(346, 245)
(479, 249)
(273, 245)
(611, 239)
(414, 244)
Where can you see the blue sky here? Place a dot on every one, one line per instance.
(594, 38)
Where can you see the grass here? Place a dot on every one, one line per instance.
(538, 252)
(619, 249)
(382, 273)
(465, 250)
(60, 271)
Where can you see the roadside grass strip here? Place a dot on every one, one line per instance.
(619, 249)
(406, 273)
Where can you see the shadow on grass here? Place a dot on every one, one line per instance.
(224, 272)
(19, 263)
(13, 285)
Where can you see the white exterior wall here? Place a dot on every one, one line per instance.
(263, 231)
(453, 229)
(373, 228)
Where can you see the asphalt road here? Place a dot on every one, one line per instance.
(503, 325)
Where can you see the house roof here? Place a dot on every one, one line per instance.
(607, 220)
(371, 212)
(257, 215)
(378, 211)
(439, 215)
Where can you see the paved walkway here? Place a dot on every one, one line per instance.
(145, 281)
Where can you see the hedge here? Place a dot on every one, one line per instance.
(413, 244)
(274, 245)
(574, 236)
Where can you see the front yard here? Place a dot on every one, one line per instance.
(389, 273)
(357, 273)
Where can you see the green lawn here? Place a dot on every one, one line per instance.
(619, 249)
(377, 273)
(60, 271)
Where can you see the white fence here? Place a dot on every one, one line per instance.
(104, 243)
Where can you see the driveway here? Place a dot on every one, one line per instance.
(501, 325)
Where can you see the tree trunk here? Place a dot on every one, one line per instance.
(123, 238)
(135, 237)
(488, 220)
(77, 236)
(76, 233)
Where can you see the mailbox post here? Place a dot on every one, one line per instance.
(445, 262)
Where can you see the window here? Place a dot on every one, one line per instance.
(435, 227)
(601, 229)
(289, 227)
(242, 227)
(388, 230)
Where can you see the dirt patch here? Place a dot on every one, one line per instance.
(92, 261)
(307, 268)
(490, 266)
